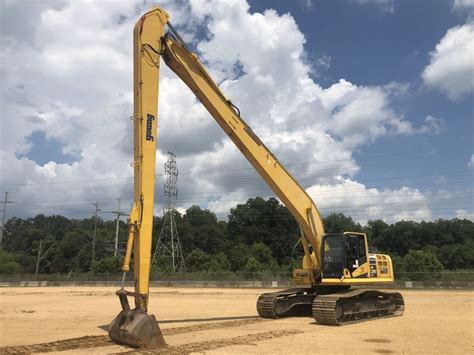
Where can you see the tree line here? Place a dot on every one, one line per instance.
(258, 236)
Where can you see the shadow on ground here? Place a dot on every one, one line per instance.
(105, 327)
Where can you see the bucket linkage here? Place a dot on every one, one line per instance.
(134, 327)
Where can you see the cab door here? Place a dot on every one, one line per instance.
(355, 252)
(333, 256)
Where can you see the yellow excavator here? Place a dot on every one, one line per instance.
(332, 263)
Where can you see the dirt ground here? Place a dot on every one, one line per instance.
(74, 320)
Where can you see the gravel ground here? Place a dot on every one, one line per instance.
(74, 320)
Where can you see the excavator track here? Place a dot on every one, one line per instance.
(266, 306)
(295, 302)
(356, 306)
(330, 306)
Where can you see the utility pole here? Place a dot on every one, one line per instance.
(38, 259)
(96, 215)
(168, 240)
(3, 218)
(117, 219)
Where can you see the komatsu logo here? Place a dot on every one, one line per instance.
(149, 125)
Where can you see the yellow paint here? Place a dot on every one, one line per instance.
(352, 281)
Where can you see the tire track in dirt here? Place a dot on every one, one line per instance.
(92, 341)
(104, 340)
(202, 346)
(209, 326)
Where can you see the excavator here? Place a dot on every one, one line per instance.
(335, 265)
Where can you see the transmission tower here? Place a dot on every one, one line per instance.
(168, 244)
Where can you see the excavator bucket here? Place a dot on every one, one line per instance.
(135, 327)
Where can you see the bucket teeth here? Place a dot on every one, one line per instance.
(137, 329)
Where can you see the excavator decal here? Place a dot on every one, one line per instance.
(149, 125)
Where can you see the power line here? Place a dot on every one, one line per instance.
(69, 181)
(264, 191)
(304, 163)
(305, 176)
(301, 178)
(267, 189)
(318, 197)
(329, 195)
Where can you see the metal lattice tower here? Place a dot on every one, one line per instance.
(168, 244)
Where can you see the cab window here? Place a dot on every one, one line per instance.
(356, 253)
(333, 259)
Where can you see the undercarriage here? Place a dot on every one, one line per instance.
(331, 305)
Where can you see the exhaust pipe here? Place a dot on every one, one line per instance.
(134, 327)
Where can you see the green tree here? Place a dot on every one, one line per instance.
(196, 259)
(263, 255)
(8, 265)
(423, 264)
(163, 264)
(264, 221)
(237, 255)
(217, 263)
(252, 265)
(261, 229)
(111, 264)
(199, 260)
(378, 234)
(339, 223)
(398, 264)
(66, 255)
(200, 229)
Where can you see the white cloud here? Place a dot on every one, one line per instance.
(365, 203)
(432, 125)
(459, 5)
(451, 67)
(463, 214)
(307, 4)
(361, 114)
(76, 87)
(470, 163)
(322, 64)
(383, 5)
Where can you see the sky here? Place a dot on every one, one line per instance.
(368, 103)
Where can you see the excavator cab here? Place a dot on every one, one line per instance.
(344, 254)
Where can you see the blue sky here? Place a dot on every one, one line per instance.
(368, 102)
(374, 45)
